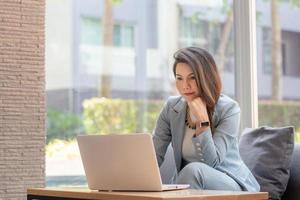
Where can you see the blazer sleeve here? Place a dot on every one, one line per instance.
(212, 148)
(162, 134)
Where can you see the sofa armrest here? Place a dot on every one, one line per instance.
(292, 191)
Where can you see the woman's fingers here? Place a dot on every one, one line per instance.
(198, 109)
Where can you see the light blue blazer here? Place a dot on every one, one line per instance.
(219, 150)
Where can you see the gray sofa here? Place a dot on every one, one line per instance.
(292, 191)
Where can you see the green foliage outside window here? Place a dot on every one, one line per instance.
(107, 116)
(62, 125)
(278, 114)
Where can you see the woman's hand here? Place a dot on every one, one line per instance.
(199, 114)
(198, 110)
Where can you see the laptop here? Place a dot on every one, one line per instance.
(121, 163)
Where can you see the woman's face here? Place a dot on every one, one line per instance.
(186, 82)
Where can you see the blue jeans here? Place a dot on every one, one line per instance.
(202, 176)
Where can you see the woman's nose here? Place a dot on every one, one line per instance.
(186, 84)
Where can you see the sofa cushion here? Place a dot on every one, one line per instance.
(292, 191)
(267, 152)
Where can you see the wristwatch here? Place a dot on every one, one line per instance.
(204, 124)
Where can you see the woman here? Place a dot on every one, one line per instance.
(202, 124)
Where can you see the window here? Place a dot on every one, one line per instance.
(279, 99)
(194, 31)
(134, 75)
(91, 33)
(123, 35)
(267, 52)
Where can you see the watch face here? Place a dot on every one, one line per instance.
(203, 124)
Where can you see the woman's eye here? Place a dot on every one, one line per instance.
(193, 77)
(178, 78)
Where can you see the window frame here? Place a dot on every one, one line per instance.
(246, 62)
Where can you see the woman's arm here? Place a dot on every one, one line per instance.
(200, 115)
(212, 148)
(162, 134)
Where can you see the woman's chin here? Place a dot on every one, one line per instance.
(189, 98)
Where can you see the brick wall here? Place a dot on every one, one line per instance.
(22, 97)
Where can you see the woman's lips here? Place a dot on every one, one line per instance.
(189, 94)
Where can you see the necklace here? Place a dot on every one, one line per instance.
(188, 120)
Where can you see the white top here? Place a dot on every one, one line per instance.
(188, 148)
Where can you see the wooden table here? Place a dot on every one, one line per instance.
(84, 193)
